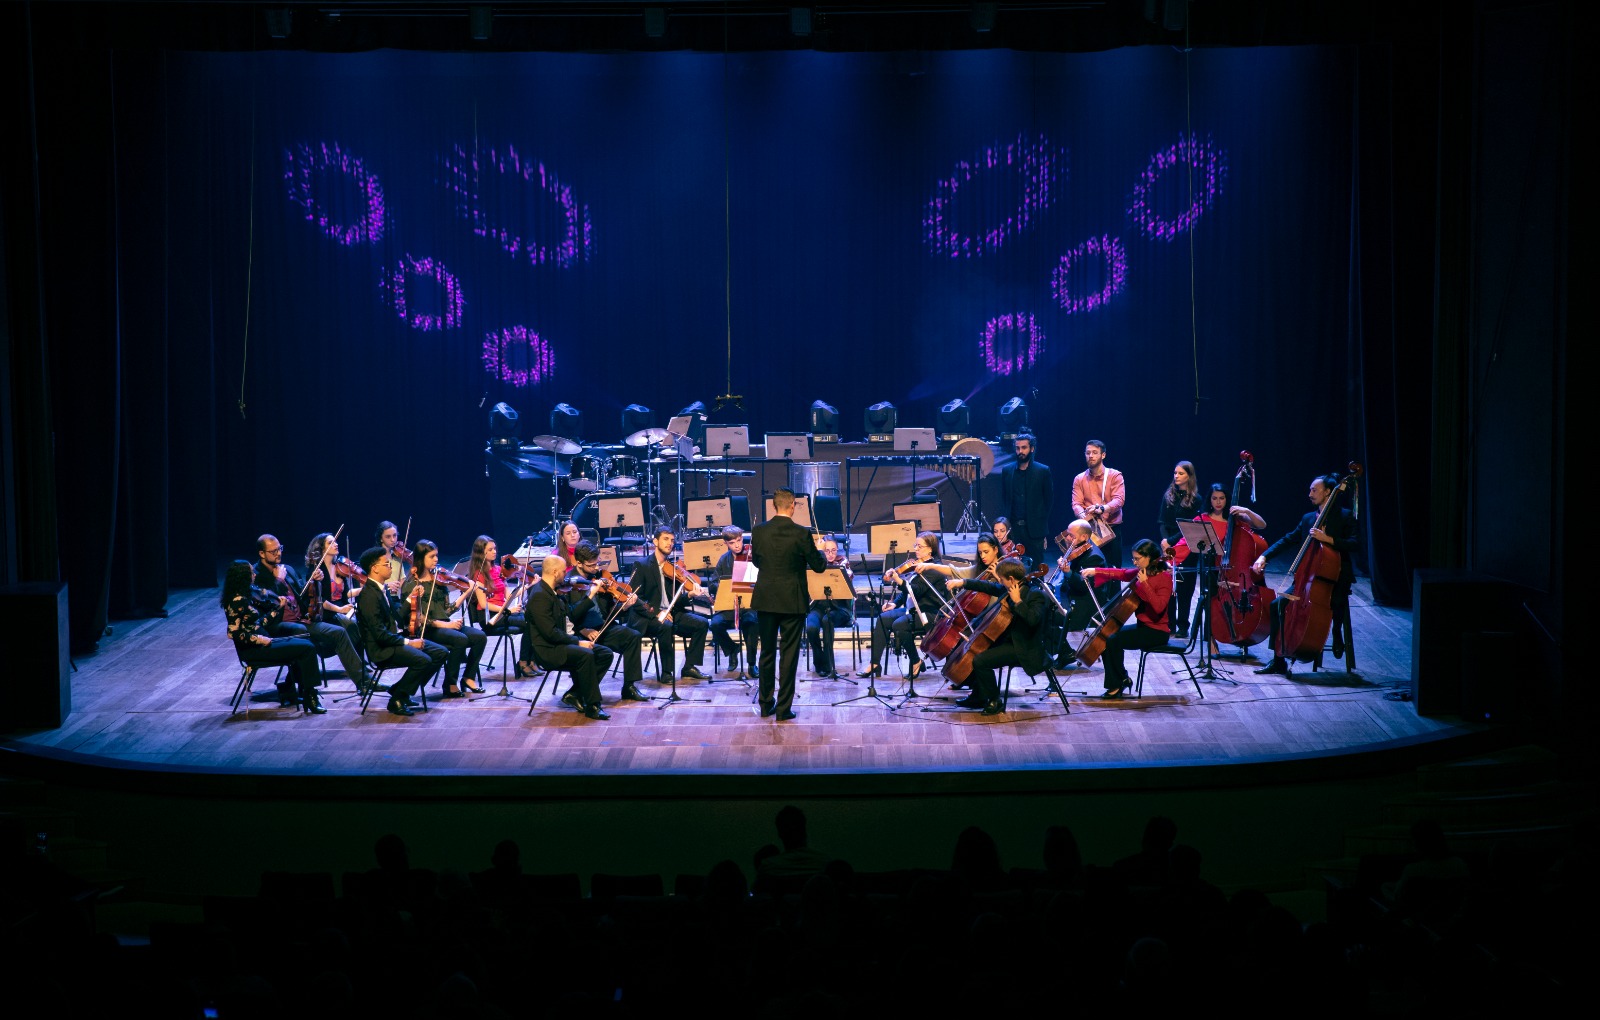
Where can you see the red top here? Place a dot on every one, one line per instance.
(1154, 592)
(495, 583)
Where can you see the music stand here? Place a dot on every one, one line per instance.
(608, 559)
(727, 441)
(821, 588)
(616, 513)
(884, 540)
(802, 509)
(787, 445)
(703, 553)
(716, 512)
(915, 441)
(1203, 541)
(733, 597)
(926, 516)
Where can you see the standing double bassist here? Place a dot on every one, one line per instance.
(1338, 533)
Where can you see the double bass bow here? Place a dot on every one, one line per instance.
(1315, 571)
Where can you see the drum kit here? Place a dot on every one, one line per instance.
(595, 471)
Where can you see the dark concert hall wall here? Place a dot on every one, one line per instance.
(412, 237)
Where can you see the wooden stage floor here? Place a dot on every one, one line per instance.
(157, 694)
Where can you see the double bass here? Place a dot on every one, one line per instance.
(1315, 571)
(1240, 608)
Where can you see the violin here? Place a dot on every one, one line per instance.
(402, 552)
(350, 570)
(451, 579)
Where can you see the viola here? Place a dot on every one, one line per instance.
(1309, 614)
(416, 613)
(1240, 609)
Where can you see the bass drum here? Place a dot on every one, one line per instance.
(586, 512)
(622, 471)
(972, 446)
(587, 473)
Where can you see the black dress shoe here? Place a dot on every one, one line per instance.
(313, 705)
(872, 672)
(785, 716)
(733, 662)
(632, 693)
(452, 692)
(399, 708)
(595, 712)
(993, 708)
(570, 699)
(766, 711)
(971, 701)
(692, 673)
(1277, 667)
(755, 672)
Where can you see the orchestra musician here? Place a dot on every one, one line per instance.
(329, 587)
(388, 538)
(827, 615)
(1074, 590)
(495, 609)
(1220, 513)
(988, 556)
(1342, 536)
(380, 631)
(589, 610)
(782, 552)
(567, 543)
(1020, 644)
(1028, 494)
(547, 621)
(1002, 534)
(251, 612)
(1152, 582)
(434, 602)
(1180, 502)
(898, 624)
(662, 612)
(1098, 494)
(276, 577)
(733, 536)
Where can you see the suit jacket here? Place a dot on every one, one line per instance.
(1035, 518)
(647, 584)
(1346, 540)
(547, 622)
(378, 620)
(1072, 583)
(782, 552)
(1029, 620)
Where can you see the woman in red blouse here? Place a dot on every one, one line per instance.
(567, 541)
(496, 610)
(1152, 582)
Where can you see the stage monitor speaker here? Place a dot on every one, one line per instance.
(38, 677)
(1465, 631)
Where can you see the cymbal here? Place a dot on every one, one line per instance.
(556, 444)
(644, 437)
(711, 472)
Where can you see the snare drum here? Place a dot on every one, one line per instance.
(587, 473)
(622, 471)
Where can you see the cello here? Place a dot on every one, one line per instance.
(1315, 571)
(968, 605)
(986, 630)
(1240, 606)
(1117, 613)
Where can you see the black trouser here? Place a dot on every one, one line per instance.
(1132, 637)
(465, 645)
(987, 662)
(820, 626)
(298, 653)
(511, 623)
(585, 665)
(780, 632)
(721, 623)
(1184, 596)
(896, 625)
(683, 622)
(419, 664)
(625, 641)
(1112, 550)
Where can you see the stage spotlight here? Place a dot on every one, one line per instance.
(1013, 418)
(880, 422)
(280, 21)
(824, 422)
(983, 16)
(955, 421)
(480, 21)
(566, 421)
(800, 21)
(503, 430)
(655, 22)
(636, 418)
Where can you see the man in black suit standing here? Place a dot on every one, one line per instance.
(1027, 494)
(385, 646)
(782, 551)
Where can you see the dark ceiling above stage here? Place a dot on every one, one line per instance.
(356, 25)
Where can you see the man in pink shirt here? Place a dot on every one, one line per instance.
(1097, 497)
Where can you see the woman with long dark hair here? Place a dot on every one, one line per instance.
(1152, 582)
(490, 611)
(250, 612)
(437, 603)
(1180, 502)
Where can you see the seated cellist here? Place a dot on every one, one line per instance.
(1152, 583)
(1020, 644)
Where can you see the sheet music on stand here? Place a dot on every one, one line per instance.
(738, 589)
(831, 584)
(1201, 537)
(927, 516)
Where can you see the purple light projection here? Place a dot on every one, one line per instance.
(410, 273)
(1011, 343)
(1209, 163)
(518, 355)
(1109, 249)
(307, 169)
(1037, 165)
(464, 178)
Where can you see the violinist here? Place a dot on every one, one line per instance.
(1152, 583)
(1341, 535)
(1028, 494)
(1021, 644)
(276, 577)
(579, 656)
(909, 612)
(495, 610)
(328, 584)
(662, 612)
(721, 622)
(388, 538)
(589, 607)
(827, 615)
(1180, 502)
(433, 597)
(1098, 494)
(1002, 535)
(386, 646)
(251, 612)
(567, 542)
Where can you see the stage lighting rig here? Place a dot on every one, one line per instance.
(955, 421)
(824, 422)
(880, 422)
(1013, 418)
(566, 421)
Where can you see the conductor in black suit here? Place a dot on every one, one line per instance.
(782, 551)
